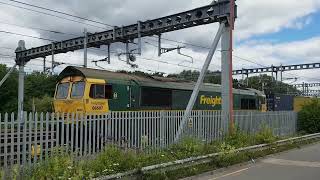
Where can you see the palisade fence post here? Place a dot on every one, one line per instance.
(77, 136)
(57, 136)
(99, 120)
(295, 116)
(5, 138)
(12, 134)
(161, 144)
(52, 131)
(18, 140)
(24, 138)
(30, 139)
(72, 133)
(251, 125)
(62, 136)
(81, 133)
(47, 136)
(85, 144)
(68, 119)
(90, 134)
(35, 142)
(41, 136)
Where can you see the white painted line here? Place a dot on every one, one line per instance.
(235, 172)
(284, 162)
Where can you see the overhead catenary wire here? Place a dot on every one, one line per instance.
(60, 12)
(98, 22)
(60, 17)
(144, 58)
(41, 29)
(165, 62)
(24, 35)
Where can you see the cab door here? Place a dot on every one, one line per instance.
(97, 102)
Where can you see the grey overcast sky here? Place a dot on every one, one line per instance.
(266, 32)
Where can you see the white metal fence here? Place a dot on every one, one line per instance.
(40, 134)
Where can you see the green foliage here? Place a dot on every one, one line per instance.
(265, 135)
(309, 117)
(113, 160)
(37, 85)
(59, 166)
(43, 104)
(187, 148)
(9, 90)
(269, 84)
(1, 174)
(211, 76)
(240, 139)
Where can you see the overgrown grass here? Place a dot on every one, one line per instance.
(113, 160)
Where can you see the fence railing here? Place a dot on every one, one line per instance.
(38, 135)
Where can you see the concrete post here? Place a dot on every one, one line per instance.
(225, 75)
(21, 92)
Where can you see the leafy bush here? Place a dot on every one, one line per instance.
(309, 117)
(265, 135)
(59, 166)
(239, 139)
(113, 160)
(43, 104)
(109, 161)
(188, 147)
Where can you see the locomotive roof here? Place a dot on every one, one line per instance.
(150, 81)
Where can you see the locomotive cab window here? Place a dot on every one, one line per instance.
(77, 89)
(62, 91)
(101, 91)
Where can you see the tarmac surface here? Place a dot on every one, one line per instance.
(296, 164)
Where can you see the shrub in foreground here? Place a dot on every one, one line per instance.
(309, 117)
(113, 160)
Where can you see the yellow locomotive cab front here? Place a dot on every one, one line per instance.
(80, 95)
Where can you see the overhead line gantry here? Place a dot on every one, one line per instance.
(223, 12)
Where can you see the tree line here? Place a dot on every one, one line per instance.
(40, 87)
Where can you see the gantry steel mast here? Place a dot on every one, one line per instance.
(222, 11)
